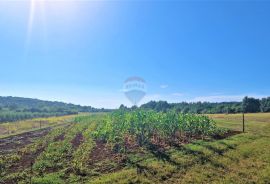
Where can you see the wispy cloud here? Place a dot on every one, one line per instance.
(177, 94)
(164, 86)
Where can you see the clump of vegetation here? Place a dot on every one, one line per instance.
(149, 126)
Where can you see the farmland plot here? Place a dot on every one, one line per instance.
(142, 147)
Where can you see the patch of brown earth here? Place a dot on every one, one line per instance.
(102, 153)
(60, 137)
(227, 134)
(26, 161)
(78, 139)
(16, 142)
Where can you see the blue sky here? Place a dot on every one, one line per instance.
(82, 51)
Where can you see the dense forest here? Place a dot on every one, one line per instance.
(17, 108)
(248, 105)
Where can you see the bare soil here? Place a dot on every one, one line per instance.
(227, 134)
(26, 161)
(78, 139)
(60, 137)
(101, 153)
(16, 142)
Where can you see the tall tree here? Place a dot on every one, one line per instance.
(251, 105)
(265, 104)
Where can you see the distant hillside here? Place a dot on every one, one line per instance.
(18, 108)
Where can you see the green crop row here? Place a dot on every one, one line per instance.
(81, 155)
(61, 153)
(150, 125)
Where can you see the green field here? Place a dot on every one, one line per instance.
(67, 154)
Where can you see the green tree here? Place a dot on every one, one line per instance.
(265, 104)
(251, 105)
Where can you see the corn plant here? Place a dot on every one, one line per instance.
(148, 125)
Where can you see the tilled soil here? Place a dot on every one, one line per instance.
(102, 159)
(26, 161)
(102, 153)
(16, 142)
(60, 137)
(78, 139)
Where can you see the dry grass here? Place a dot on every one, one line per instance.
(13, 128)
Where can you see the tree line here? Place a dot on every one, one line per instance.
(248, 105)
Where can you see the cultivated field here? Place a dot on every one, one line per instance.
(83, 150)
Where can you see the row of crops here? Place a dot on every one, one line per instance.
(54, 154)
(65, 153)
(148, 126)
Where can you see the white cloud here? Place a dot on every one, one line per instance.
(164, 86)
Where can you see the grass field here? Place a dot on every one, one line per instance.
(69, 155)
